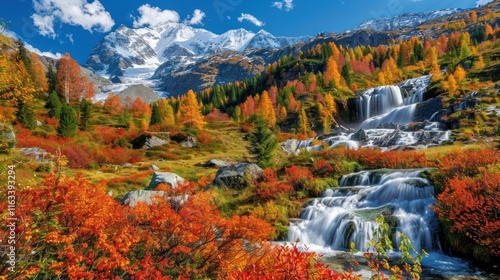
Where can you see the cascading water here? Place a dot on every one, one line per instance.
(380, 100)
(389, 105)
(387, 112)
(348, 213)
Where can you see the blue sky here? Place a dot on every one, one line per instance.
(76, 26)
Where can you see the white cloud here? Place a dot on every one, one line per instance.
(154, 16)
(70, 38)
(287, 4)
(251, 19)
(90, 16)
(278, 5)
(482, 2)
(197, 17)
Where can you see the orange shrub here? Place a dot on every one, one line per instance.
(204, 138)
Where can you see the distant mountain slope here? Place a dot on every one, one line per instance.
(406, 20)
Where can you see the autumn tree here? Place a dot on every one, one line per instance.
(166, 111)
(479, 63)
(332, 74)
(70, 82)
(38, 75)
(190, 111)
(15, 81)
(266, 109)
(451, 84)
(68, 122)
(304, 126)
(262, 142)
(114, 104)
(459, 74)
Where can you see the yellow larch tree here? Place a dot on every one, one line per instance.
(190, 111)
(332, 73)
(265, 109)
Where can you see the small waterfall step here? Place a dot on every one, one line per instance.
(347, 214)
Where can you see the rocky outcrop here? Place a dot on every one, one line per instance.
(215, 69)
(147, 142)
(291, 146)
(237, 176)
(185, 140)
(215, 163)
(147, 94)
(425, 110)
(38, 154)
(172, 179)
(135, 197)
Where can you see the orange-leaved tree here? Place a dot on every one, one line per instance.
(190, 111)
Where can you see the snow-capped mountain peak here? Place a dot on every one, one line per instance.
(406, 20)
(149, 46)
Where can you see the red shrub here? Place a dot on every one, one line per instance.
(216, 116)
(322, 168)
(78, 156)
(299, 178)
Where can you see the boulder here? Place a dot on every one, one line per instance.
(185, 140)
(237, 176)
(153, 167)
(216, 163)
(39, 123)
(360, 135)
(127, 165)
(134, 197)
(10, 135)
(291, 146)
(164, 177)
(189, 142)
(38, 154)
(147, 142)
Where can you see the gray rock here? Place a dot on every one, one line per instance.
(291, 146)
(10, 135)
(127, 165)
(147, 142)
(189, 142)
(216, 162)
(164, 177)
(39, 123)
(153, 167)
(147, 94)
(135, 197)
(38, 154)
(235, 176)
(360, 135)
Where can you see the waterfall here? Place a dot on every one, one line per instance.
(385, 104)
(347, 214)
(401, 115)
(377, 101)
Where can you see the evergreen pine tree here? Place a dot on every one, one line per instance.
(68, 122)
(25, 115)
(54, 105)
(346, 73)
(85, 112)
(262, 143)
(22, 55)
(51, 79)
(155, 115)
